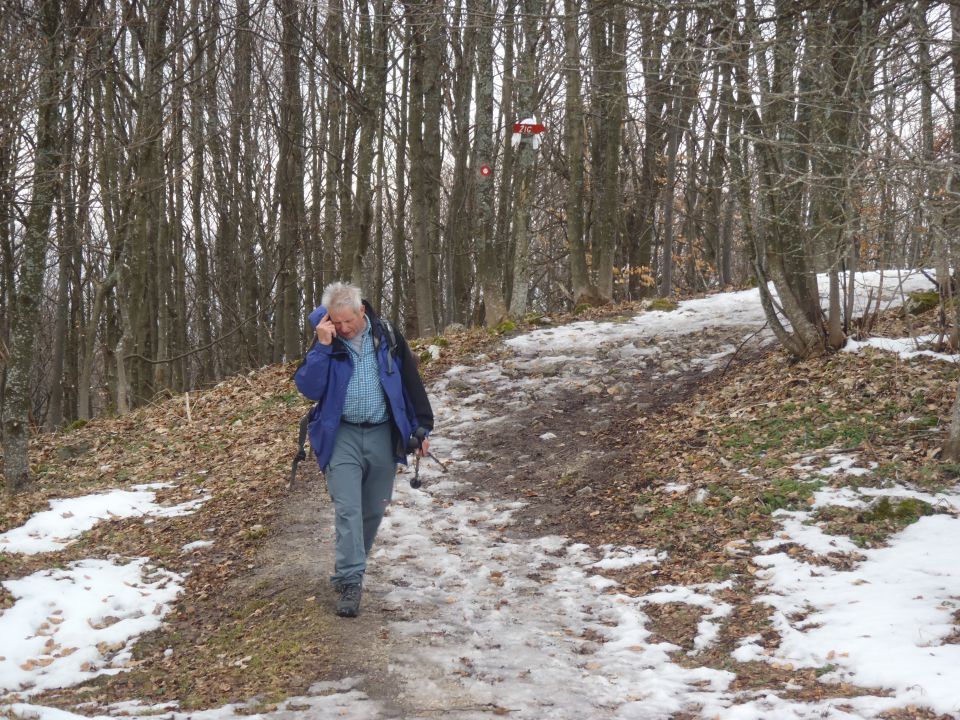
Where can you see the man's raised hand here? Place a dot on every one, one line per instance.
(326, 331)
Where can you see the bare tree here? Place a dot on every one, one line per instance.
(46, 164)
(219, 163)
(484, 167)
(526, 161)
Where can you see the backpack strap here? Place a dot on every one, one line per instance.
(386, 330)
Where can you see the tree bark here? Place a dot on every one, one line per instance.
(424, 131)
(333, 171)
(488, 262)
(145, 231)
(400, 266)
(583, 289)
(458, 256)
(206, 369)
(502, 238)
(608, 49)
(951, 449)
(647, 182)
(290, 186)
(526, 158)
(16, 419)
(67, 239)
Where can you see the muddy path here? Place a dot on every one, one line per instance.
(477, 602)
(568, 427)
(491, 607)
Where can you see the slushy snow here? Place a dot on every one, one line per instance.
(482, 623)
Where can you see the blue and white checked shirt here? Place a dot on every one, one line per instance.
(365, 402)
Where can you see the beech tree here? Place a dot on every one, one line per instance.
(186, 176)
(49, 29)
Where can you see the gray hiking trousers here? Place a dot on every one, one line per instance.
(360, 480)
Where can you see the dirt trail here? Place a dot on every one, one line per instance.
(516, 431)
(592, 405)
(296, 563)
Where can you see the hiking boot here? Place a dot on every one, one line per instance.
(349, 603)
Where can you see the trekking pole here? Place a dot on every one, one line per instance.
(301, 452)
(438, 462)
(415, 481)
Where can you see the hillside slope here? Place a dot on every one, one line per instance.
(626, 507)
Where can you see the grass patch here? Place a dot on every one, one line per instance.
(264, 647)
(6, 599)
(870, 527)
(663, 305)
(930, 476)
(290, 399)
(722, 573)
(920, 301)
(255, 532)
(803, 427)
(788, 494)
(900, 512)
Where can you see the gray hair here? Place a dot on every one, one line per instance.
(340, 295)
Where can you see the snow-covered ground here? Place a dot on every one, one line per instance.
(483, 624)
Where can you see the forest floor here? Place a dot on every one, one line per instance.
(603, 543)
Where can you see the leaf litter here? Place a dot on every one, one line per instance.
(688, 462)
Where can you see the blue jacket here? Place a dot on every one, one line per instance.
(326, 370)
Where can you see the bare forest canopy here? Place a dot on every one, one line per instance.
(180, 179)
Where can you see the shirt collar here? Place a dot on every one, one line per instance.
(356, 343)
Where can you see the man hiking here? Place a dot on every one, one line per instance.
(372, 409)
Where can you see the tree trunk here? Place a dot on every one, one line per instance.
(145, 231)
(316, 127)
(526, 158)
(488, 262)
(582, 288)
(334, 147)
(16, 419)
(424, 132)
(435, 42)
(502, 242)
(290, 185)
(951, 450)
(647, 181)
(458, 256)
(378, 284)
(608, 48)
(206, 368)
(404, 114)
(688, 62)
(373, 60)
(244, 286)
(219, 178)
(782, 252)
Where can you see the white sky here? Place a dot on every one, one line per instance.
(478, 620)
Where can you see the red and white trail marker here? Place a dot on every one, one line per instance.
(529, 128)
(528, 131)
(486, 171)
